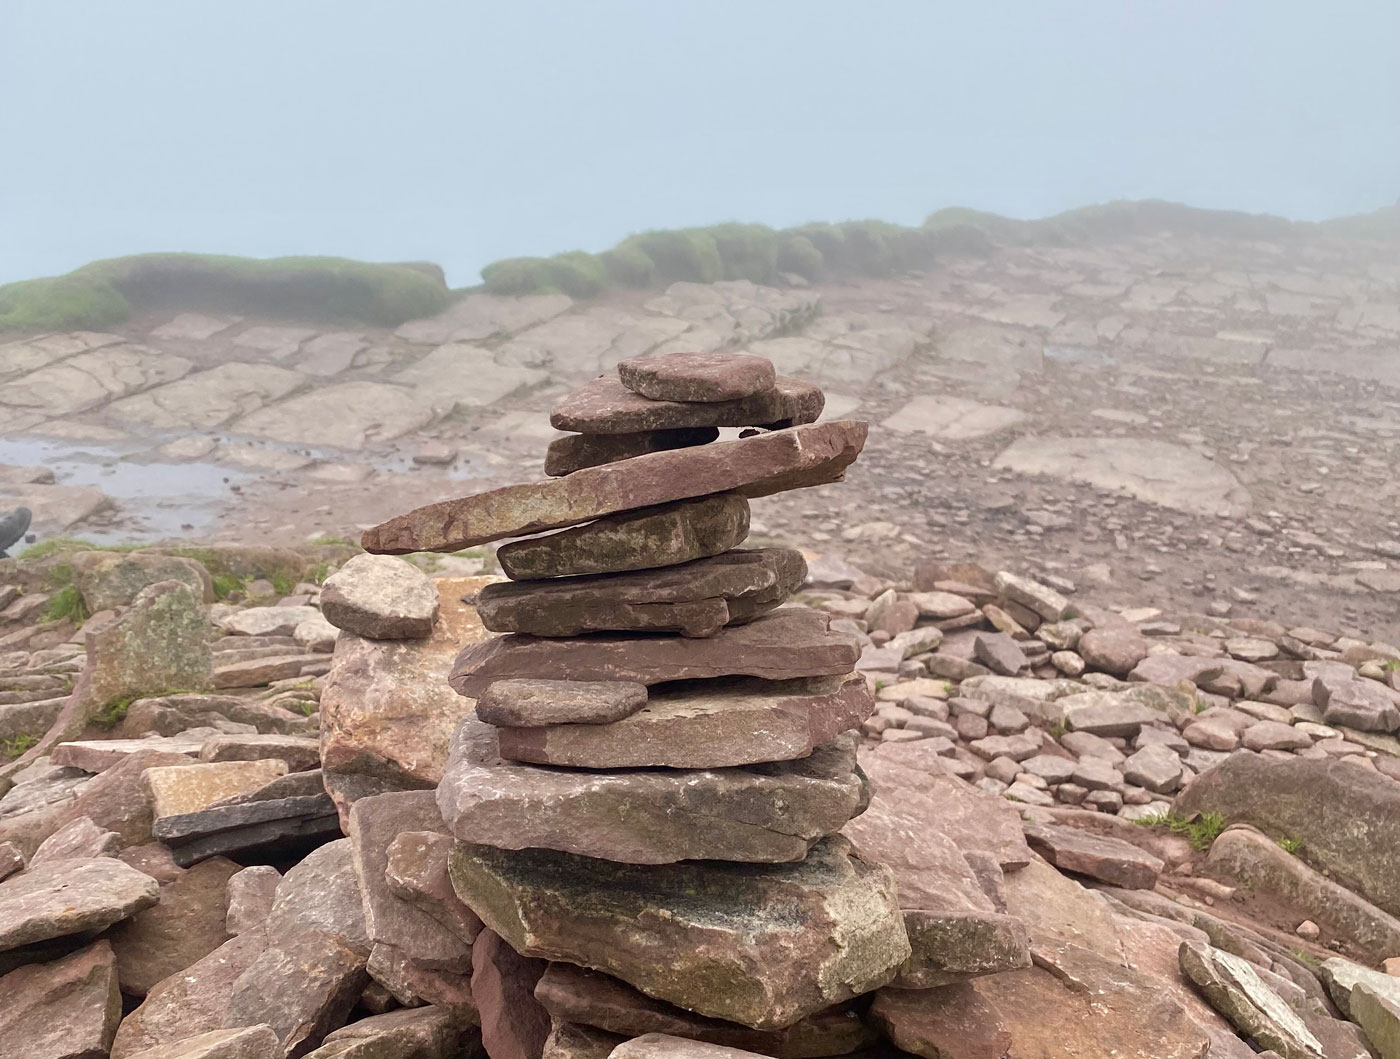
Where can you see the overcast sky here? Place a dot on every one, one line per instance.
(461, 131)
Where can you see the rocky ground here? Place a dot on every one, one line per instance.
(1193, 422)
(1192, 819)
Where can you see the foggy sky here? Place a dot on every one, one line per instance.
(465, 131)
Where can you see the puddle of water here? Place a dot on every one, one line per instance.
(162, 498)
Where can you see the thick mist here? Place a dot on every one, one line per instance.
(465, 132)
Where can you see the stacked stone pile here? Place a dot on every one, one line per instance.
(662, 754)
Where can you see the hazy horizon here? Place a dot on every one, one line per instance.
(463, 133)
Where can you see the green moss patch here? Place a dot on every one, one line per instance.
(105, 293)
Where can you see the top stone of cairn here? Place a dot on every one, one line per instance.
(706, 377)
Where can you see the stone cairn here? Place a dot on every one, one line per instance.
(662, 755)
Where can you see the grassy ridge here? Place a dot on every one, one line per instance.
(853, 248)
(104, 293)
(107, 292)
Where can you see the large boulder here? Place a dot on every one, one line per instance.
(387, 714)
(764, 946)
(1345, 817)
(381, 598)
(107, 580)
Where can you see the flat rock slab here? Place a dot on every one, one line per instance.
(761, 946)
(1101, 857)
(702, 724)
(66, 897)
(707, 377)
(1036, 1012)
(783, 645)
(190, 1003)
(374, 823)
(955, 930)
(755, 466)
(948, 418)
(606, 406)
(252, 1042)
(526, 703)
(380, 597)
(695, 599)
(67, 1009)
(1233, 987)
(1158, 472)
(768, 813)
(262, 826)
(591, 998)
(175, 790)
(665, 1046)
(974, 820)
(574, 452)
(634, 540)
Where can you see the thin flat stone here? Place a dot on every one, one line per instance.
(66, 1009)
(590, 998)
(1102, 857)
(782, 645)
(754, 466)
(526, 703)
(574, 452)
(763, 813)
(606, 406)
(66, 897)
(703, 724)
(761, 946)
(708, 377)
(695, 599)
(664, 535)
(374, 824)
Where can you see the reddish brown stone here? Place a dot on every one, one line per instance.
(697, 376)
(1101, 857)
(1034, 1013)
(695, 599)
(528, 703)
(704, 724)
(591, 998)
(514, 1024)
(955, 931)
(783, 645)
(754, 466)
(764, 946)
(643, 539)
(606, 406)
(576, 451)
(769, 812)
(417, 873)
(67, 1009)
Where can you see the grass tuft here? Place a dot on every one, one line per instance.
(66, 605)
(1200, 831)
(113, 712)
(16, 745)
